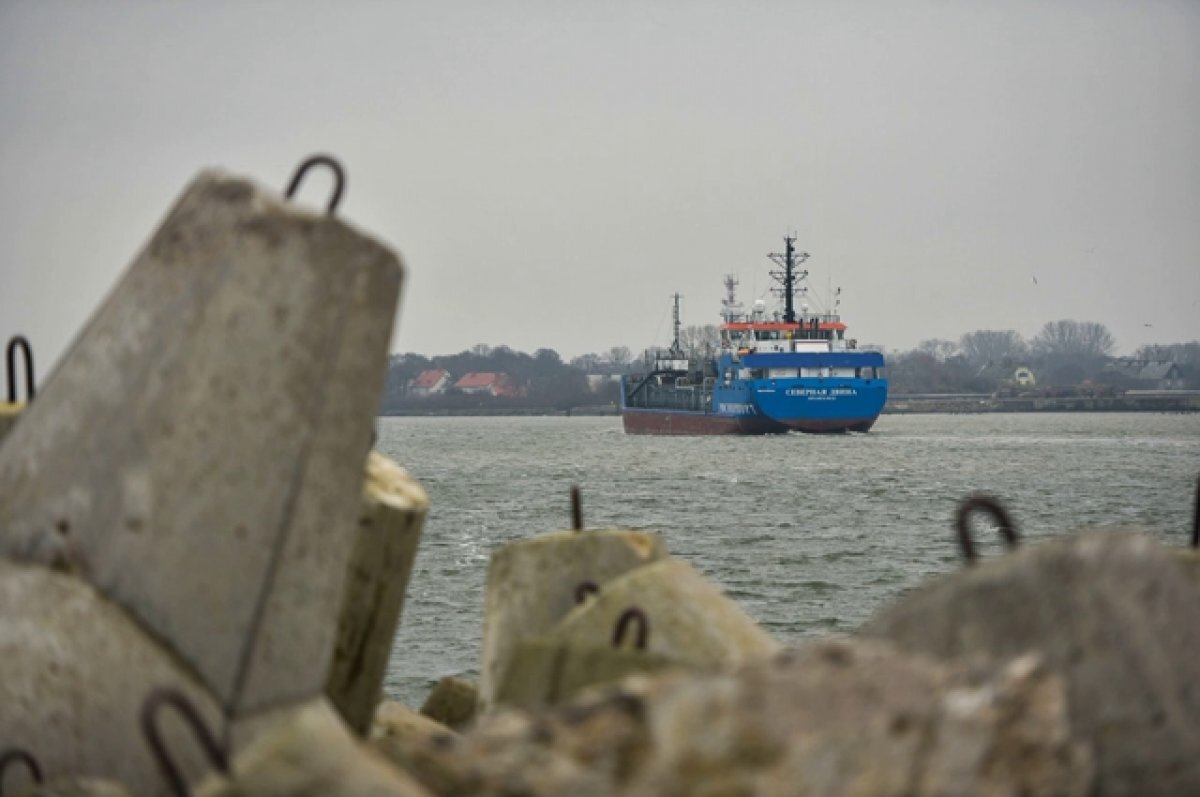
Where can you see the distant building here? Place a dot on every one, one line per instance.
(1147, 374)
(430, 383)
(487, 383)
(1006, 373)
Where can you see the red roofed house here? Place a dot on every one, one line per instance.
(493, 384)
(430, 383)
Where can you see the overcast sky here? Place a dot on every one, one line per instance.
(551, 172)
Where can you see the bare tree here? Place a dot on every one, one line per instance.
(940, 350)
(993, 347)
(619, 356)
(1073, 339)
(699, 340)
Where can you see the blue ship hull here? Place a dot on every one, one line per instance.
(757, 406)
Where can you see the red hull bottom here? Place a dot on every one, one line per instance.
(663, 422)
(694, 423)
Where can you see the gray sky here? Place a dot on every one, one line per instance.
(552, 171)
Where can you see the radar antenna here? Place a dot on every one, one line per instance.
(790, 277)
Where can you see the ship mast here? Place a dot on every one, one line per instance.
(676, 349)
(790, 277)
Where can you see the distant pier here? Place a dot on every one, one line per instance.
(1149, 401)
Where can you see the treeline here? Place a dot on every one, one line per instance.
(1064, 354)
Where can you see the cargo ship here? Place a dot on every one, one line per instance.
(793, 369)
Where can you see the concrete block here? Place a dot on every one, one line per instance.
(532, 585)
(1110, 613)
(411, 741)
(201, 444)
(77, 787)
(311, 753)
(385, 546)
(75, 671)
(545, 673)
(9, 413)
(690, 621)
(452, 702)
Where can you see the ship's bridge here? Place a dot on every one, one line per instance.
(827, 331)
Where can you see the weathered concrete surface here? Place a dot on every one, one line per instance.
(532, 585)
(836, 719)
(451, 702)
(200, 447)
(1113, 615)
(74, 673)
(1188, 561)
(75, 787)
(385, 546)
(311, 754)
(9, 413)
(406, 738)
(689, 619)
(544, 672)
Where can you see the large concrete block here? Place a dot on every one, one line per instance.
(545, 673)
(9, 414)
(452, 702)
(75, 672)
(198, 451)
(533, 583)
(310, 753)
(688, 619)
(1113, 615)
(385, 547)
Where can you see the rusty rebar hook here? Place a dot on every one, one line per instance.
(21, 342)
(166, 765)
(585, 589)
(993, 507)
(14, 754)
(339, 179)
(576, 508)
(628, 616)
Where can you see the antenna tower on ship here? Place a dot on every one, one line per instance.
(676, 349)
(790, 277)
(731, 310)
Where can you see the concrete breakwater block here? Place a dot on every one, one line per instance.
(845, 717)
(452, 702)
(545, 672)
(311, 754)
(534, 583)
(392, 514)
(409, 740)
(10, 413)
(197, 454)
(1113, 615)
(688, 619)
(75, 672)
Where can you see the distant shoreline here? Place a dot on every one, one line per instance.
(928, 404)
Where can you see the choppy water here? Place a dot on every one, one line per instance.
(810, 534)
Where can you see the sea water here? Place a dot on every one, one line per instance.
(808, 533)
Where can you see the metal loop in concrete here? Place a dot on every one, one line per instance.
(151, 708)
(19, 342)
(576, 508)
(13, 755)
(630, 615)
(991, 506)
(339, 179)
(585, 589)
